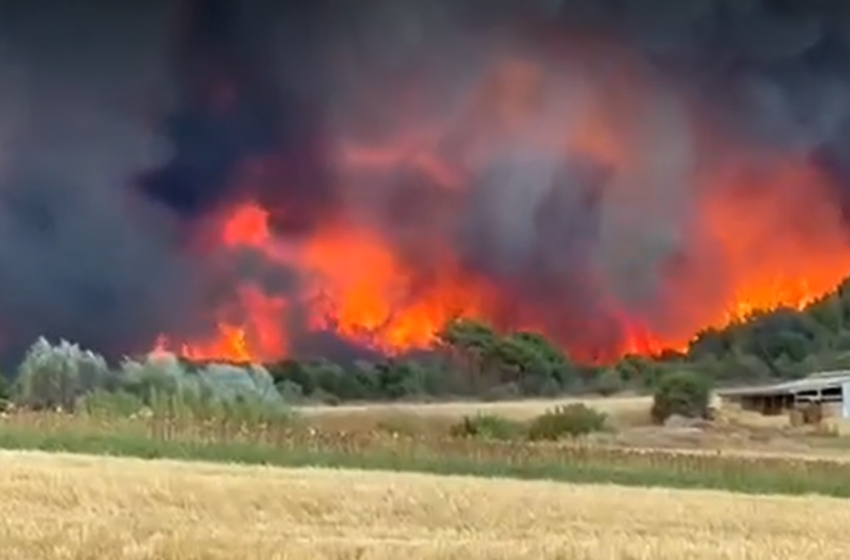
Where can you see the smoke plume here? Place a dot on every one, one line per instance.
(576, 165)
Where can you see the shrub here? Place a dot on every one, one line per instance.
(486, 426)
(244, 394)
(291, 392)
(216, 390)
(56, 376)
(159, 373)
(566, 421)
(229, 383)
(609, 382)
(683, 393)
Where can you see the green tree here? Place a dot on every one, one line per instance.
(56, 376)
(467, 334)
(293, 371)
(639, 370)
(470, 346)
(828, 313)
(548, 360)
(398, 379)
(332, 379)
(683, 393)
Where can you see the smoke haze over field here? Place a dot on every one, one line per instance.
(344, 176)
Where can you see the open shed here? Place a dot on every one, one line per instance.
(829, 390)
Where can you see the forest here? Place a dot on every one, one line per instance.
(471, 359)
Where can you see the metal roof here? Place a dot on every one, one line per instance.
(814, 382)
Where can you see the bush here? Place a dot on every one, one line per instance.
(683, 393)
(609, 382)
(291, 392)
(566, 421)
(160, 373)
(56, 376)
(486, 426)
(215, 390)
(230, 383)
(244, 394)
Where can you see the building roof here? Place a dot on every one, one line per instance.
(814, 382)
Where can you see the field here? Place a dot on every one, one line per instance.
(623, 411)
(389, 481)
(629, 420)
(79, 507)
(517, 410)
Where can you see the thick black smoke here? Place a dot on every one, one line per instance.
(230, 110)
(121, 126)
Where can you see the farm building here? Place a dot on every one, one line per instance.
(827, 393)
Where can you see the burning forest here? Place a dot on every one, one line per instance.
(252, 180)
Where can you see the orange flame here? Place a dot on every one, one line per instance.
(756, 241)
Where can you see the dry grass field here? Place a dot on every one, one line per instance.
(628, 416)
(78, 507)
(515, 410)
(436, 417)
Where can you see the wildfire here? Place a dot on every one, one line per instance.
(784, 245)
(760, 234)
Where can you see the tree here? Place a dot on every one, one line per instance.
(293, 371)
(467, 334)
(550, 359)
(471, 345)
(638, 370)
(683, 393)
(56, 376)
(400, 379)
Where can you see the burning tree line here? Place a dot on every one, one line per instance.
(469, 359)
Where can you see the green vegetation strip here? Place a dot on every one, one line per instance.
(736, 478)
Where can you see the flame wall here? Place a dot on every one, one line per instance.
(251, 180)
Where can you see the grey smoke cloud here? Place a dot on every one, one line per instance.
(93, 98)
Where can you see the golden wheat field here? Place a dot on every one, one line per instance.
(78, 507)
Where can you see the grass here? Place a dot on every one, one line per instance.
(438, 418)
(379, 451)
(82, 508)
(635, 408)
